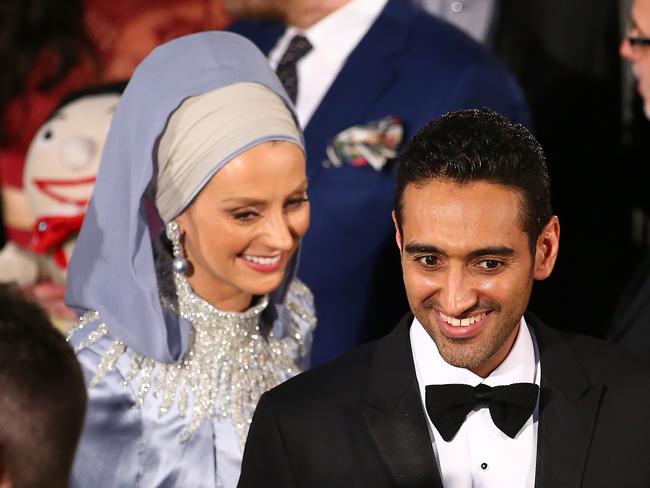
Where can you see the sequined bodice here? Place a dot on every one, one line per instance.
(228, 365)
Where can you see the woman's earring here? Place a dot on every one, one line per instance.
(173, 232)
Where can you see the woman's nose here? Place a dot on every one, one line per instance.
(278, 234)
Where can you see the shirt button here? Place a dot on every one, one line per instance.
(456, 7)
(484, 466)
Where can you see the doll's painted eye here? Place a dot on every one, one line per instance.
(48, 134)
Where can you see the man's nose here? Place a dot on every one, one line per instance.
(626, 51)
(458, 293)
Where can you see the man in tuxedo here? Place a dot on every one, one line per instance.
(630, 326)
(364, 75)
(42, 397)
(467, 391)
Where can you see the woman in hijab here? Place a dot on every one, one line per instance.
(181, 332)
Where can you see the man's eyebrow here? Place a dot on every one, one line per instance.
(502, 251)
(420, 248)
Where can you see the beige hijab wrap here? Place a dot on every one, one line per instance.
(209, 130)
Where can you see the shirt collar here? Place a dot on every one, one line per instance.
(519, 366)
(345, 26)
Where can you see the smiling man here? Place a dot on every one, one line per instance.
(469, 390)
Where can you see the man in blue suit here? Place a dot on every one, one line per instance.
(382, 68)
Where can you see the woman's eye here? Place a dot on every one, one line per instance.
(245, 216)
(490, 264)
(428, 261)
(296, 202)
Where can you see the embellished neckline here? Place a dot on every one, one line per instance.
(186, 303)
(177, 295)
(229, 362)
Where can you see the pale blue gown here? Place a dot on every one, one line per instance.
(172, 382)
(135, 435)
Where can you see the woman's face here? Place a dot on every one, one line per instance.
(245, 225)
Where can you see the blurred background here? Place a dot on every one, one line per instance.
(584, 110)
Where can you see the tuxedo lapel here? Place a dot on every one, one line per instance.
(567, 412)
(394, 413)
(396, 419)
(366, 75)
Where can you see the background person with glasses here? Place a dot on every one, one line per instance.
(636, 49)
(630, 326)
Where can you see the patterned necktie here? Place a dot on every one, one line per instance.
(286, 70)
(510, 406)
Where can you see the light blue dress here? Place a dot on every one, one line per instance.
(172, 381)
(149, 425)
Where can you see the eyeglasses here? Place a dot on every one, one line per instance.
(638, 42)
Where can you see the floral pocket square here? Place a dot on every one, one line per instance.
(372, 144)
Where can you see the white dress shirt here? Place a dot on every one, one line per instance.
(480, 455)
(332, 38)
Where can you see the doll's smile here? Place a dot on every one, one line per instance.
(59, 190)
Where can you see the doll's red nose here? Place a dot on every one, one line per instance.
(77, 152)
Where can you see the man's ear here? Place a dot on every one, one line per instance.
(546, 249)
(398, 236)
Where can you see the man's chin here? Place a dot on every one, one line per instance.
(461, 355)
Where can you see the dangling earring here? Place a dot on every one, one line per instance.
(173, 232)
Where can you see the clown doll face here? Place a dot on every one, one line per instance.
(63, 158)
(60, 171)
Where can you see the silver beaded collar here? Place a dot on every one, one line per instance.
(228, 365)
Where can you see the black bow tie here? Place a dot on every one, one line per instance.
(510, 406)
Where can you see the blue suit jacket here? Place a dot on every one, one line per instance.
(408, 65)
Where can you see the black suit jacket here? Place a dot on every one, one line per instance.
(359, 421)
(630, 326)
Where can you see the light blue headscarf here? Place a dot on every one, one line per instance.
(112, 269)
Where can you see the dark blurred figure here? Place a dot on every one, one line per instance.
(630, 326)
(42, 41)
(366, 75)
(42, 397)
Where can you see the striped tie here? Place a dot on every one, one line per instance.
(286, 70)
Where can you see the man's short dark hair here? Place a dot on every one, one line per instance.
(479, 145)
(42, 396)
